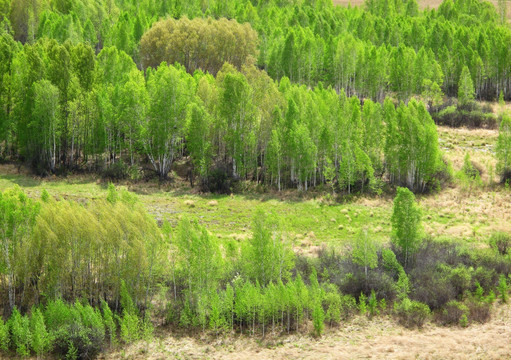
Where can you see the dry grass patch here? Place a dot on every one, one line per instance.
(360, 338)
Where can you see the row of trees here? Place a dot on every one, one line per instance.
(371, 50)
(111, 261)
(65, 108)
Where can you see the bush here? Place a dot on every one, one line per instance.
(220, 180)
(453, 312)
(503, 288)
(76, 329)
(121, 171)
(333, 302)
(362, 305)
(318, 317)
(501, 242)
(479, 310)
(471, 115)
(20, 333)
(461, 279)
(130, 327)
(109, 322)
(372, 304)
(411, 313)
(4, 335)
(41, 341)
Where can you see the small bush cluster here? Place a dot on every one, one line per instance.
(470, 115)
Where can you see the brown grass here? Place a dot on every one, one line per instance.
(380, 338)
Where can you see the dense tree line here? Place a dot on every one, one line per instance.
(385, 46)
(66, 108)
(77, 277)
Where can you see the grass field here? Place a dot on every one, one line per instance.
(458, 212)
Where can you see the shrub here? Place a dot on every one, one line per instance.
(4, 335)
(503, 288)
(348, 306)
(318, 317)
(362, 305)
(20, 333)
(485, 277)
(501, 242)
(220, 180)
(121, 171)
(479, 309)
(109, 322)
(130, 327)
(41, 341)
(411, 313)
(76, 329)
(460, 279)
(372, 304)
(453, 312)
(463, 321)
(333, 302)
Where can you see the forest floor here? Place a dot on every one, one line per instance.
(360, 338)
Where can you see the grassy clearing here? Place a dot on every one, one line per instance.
(458, 212)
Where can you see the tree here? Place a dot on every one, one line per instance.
(20, 332)
(17, 217)
(266, 257)
(198, 139)
(238, 111)
(162, 130)
(503, 149)
(45, 123)
(406, 224)
(40, 340)
(466, 92)
(364, 252)
(200, 43)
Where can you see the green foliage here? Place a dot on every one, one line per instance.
(41, 341)
(413, 160)
(17, 218)
(20, 333)
(129, 326)
(406, 224)
(455, 312)
(362, 304)
(267, 257)
(503, 289)
(204, 47)
(364, 252)
(503, 149)
(4, 335)
(465, 87)
(318, 317)
(372, 304)
(109, 322)
(501, 242)
(411, 313)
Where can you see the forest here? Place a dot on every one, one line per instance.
(285, 98)
(286, 94)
